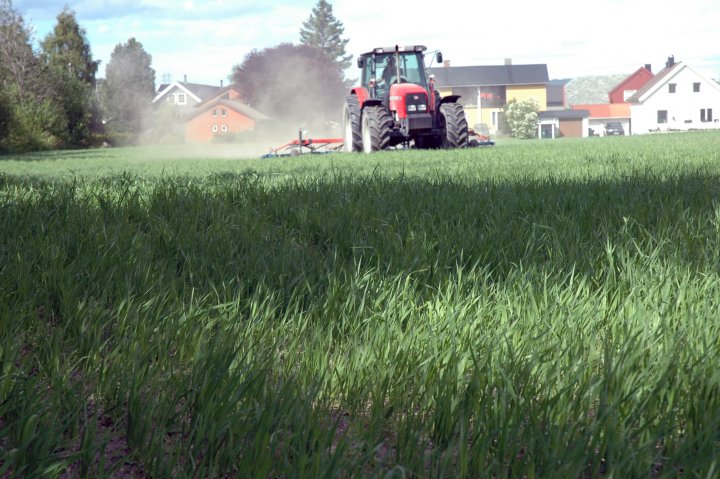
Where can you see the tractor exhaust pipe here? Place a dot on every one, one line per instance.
(397, 62)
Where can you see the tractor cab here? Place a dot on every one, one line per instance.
(384, 67)
(380, 69)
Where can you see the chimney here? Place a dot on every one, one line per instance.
(221, 83)
(648, 67)
(670, 61)
(508, 61)
(446, 63)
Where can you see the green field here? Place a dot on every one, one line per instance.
(536, 309)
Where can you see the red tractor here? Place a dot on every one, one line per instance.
(396, 104)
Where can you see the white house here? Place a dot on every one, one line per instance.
(676, 99)
(185, 96)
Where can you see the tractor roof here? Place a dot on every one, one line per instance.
(406, 48)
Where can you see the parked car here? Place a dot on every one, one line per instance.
(614, 128)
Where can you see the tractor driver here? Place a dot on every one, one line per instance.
(388, 73)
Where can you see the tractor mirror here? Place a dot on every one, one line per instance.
(360, 62)
(438, 56)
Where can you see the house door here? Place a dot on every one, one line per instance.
(546, 131)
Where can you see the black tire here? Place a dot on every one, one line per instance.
(352, 136)
(376, 125)
(456, 127)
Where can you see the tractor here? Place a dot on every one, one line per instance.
(397, 104)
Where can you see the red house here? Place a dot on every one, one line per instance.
(627, 88)
(222, 114)
(220, 118)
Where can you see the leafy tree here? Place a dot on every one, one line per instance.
(522, 118)
(31, 116)
(127, 92)
(293, 84)
(18, 64)
(68, 60)
(322, 30)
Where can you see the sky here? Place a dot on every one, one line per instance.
(203, 40)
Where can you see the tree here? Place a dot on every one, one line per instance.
(522, 118)
(31, 116)
(294, 84)
(127, 92)
(68, 60)
(322, 30)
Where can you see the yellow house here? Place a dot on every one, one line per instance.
(485, 90)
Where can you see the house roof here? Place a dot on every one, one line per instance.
(196, 91)
(628, 78)
(220, 94)
(606, 110)
(563, 114)
(663, 76)
(235, 105)
(490, 75)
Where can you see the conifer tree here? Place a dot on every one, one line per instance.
(128, 91)
(66, 56)
(31, 117)
(322, 30)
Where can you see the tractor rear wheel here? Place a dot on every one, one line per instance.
(376, 124)
(456, 127)
(352, 136)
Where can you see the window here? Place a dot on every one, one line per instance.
(214, 113)
(672, 87)
(223, 112)
(494, 118)
(214, 128)
(628, 93)
(224, 128)
(662, 116)
(696, 87)
(181, 99)
(706, 115)
(171, 98)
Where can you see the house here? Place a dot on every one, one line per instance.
(219, 116)
(486, 89)
(600, 114)
(563, 123)
(630, 85)
(185, 96)
(677, 98)
(556, 94)
(208, 111)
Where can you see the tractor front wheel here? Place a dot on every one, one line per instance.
(376, 125)
(352, 136)
(456, 127)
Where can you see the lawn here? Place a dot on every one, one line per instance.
(535, 309)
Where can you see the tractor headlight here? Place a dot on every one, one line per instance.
(422, 107)
(412, 108)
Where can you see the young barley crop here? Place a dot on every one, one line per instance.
(544, 310)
